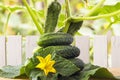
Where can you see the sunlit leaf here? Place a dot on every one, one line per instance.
(11, 71)
(109, 9)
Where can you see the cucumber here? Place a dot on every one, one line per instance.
(67, 51)
(52, 16)
(74, 27)
(78, 62)
(53, 39)
(63, 51)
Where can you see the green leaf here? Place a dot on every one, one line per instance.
(86, 74)
(39, 75)
(28, 66)
(11, 71)
(91, 72)
(95, 72)
(43, 52)
(109, 9)
(64, 66)
(35, 74)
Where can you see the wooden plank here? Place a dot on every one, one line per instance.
(11, 79)
(115, 52)
(2, 51)
(83, 43)
(100, 51)
(31, 44)
(14, 50)
(115, 71)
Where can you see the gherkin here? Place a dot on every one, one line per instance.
(52, 16)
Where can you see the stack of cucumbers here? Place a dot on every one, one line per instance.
(63, 54)
(59, 42)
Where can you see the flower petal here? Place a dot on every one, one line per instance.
(41, 59)
(47, 58)
(46, 72)
(53, 70)
(51, 63)
(41, 66)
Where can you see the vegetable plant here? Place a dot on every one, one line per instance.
(56, 57)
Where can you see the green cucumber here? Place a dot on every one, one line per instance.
(74, 27)
(78, 62)
(52, 16)
(64, 51)
(52, 39)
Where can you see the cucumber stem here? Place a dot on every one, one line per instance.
(45, 7)
(6, 24)
(39, 26)
(77, 19)
(86, 17)
(94, 9)
(67, 24)
(68, 10)
(108, 28)
(74, 19)
(68, 13)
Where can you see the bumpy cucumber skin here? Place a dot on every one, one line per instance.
(64, 51)
(67, 51)
(78, 62)
(74, 27)
(52, 16)
(52, 39)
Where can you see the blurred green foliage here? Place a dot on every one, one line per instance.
(21, 23)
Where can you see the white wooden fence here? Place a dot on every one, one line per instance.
(14, 50)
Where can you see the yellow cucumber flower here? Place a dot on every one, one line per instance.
(46, 64)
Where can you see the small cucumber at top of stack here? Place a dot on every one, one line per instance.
(52, 16)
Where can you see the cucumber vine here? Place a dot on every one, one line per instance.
(68, 14)
(39, 26)
(77, 19)
(69, 18)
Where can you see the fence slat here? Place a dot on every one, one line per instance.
(100, 51)
(30, 45)
(115, 52)
(14, 50)
(83, 43)
(2, 50)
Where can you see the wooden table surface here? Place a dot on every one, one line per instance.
(115, 72)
